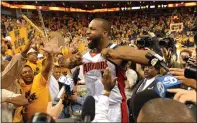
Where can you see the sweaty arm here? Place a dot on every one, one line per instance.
(132, 54)
(47, 66)
(16, 99)
(73, 61)
(12, 70)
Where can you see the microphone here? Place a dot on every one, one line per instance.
(156, 60)
(88, 111)
(66, 84)
(166, 82)
(62, 91)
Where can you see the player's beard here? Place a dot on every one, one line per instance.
(95, 42)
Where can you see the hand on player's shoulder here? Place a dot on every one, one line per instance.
(109, 53)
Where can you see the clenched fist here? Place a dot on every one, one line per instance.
(74, 60)
(110, 53)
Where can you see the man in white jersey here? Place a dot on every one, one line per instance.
(104, 54)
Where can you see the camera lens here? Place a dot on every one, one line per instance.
(162, 43)
(185, 58)
(191, 72)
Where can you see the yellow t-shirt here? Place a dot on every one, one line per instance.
(9, 52)
(18, 116)
(39, 64)
(35, 67)
(41, 90)
(25, 88)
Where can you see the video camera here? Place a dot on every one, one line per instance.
(191, 72)
(185, 58)
(145, 41)
(167, 42)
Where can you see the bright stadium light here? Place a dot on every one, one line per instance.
(152, 6)
(135, 7)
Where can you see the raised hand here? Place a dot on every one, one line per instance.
(107, 80)
(28, 45)
(51, 46)
(167, 55)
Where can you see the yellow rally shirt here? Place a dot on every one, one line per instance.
(41, 96)
(18, 116)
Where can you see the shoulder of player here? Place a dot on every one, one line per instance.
(84, 52)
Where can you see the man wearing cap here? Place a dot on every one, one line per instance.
(32, 58)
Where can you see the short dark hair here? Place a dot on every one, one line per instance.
(157, 67)
(28, 66)
(186, 50)
(165, 110)
(105, 25)
(139, 99)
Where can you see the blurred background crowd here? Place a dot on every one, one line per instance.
(126, 27)
(137, 29)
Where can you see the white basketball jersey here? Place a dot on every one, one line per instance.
(92, 67)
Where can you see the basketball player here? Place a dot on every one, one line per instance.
(103, 53)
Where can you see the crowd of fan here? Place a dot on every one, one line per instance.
(126, 26)
(37, 73)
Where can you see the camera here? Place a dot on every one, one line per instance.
(145, 41)
(185, 58)
(191, 72)
(167, 43)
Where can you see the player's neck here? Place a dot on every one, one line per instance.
(103, 44)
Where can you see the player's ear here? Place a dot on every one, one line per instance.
(105, 33)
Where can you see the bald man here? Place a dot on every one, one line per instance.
(165, 110)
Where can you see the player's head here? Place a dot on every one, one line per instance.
(98, 30)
